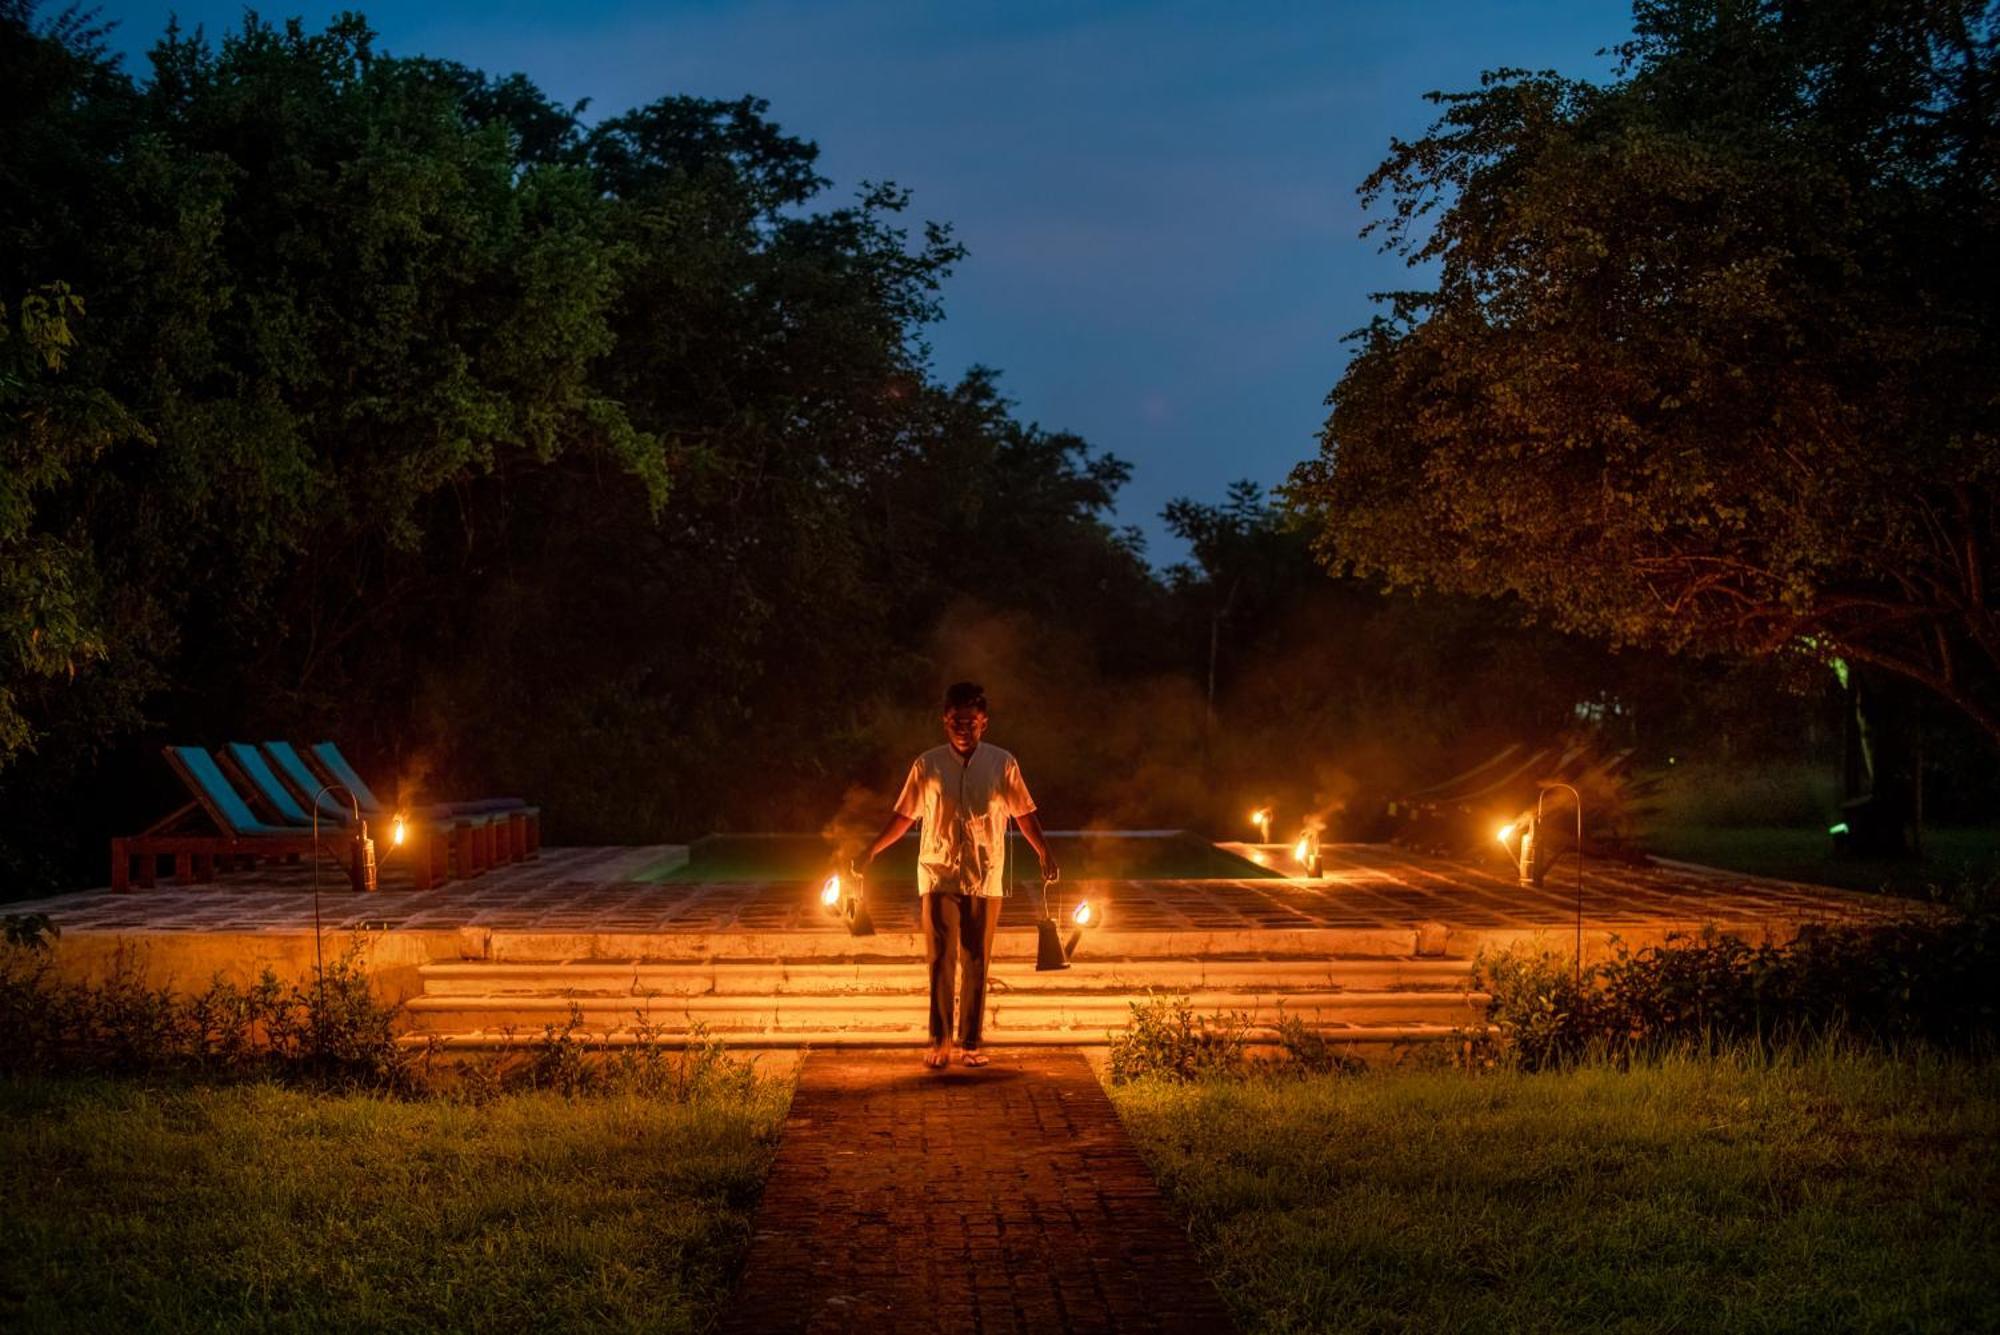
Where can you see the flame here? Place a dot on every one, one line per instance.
(397, 829)
(1506, 832)
(1085, 915)
(1257, 857)
(829, 894)
(1302, 850)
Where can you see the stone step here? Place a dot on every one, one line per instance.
(1260, 1036)
(907, 976)
(1009, 1012)
(1227, 935)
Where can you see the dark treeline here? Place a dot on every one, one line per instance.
(378, 398)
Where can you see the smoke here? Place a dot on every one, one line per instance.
(854, 824)
(412, 776)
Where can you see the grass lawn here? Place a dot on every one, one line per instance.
(1841, 1193)
(1951, 856)
(125, 1204)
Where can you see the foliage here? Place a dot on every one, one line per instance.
(1166, 1040)
(329, 1029)
(1710, 358)
(32, 932)
(1306, 1051)
(1925, 981)
(1820, 1189)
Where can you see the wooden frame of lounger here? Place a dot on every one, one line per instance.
(195, 853)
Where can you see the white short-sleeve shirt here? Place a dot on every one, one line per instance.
(964, 804)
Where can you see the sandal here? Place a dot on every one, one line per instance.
(974, 1057)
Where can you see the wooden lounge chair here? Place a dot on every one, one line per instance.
(515, 831)
(234, 829)
(431, 842)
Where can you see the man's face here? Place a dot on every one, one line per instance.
(964, 727)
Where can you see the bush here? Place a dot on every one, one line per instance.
(565, 1060)
(1166, 1040)
(1305, 1051)
(330, 1029)
(1929, 982)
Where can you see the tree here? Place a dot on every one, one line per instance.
(1711, 359)
(1246, 559)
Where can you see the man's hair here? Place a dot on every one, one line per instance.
(965, 695)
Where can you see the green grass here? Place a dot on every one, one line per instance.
(1952, 857)
(125, 1204)
(1835, 1193)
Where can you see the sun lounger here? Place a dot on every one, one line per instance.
(1478, 775)
(516, 827)
(236, 830)
(436, 844)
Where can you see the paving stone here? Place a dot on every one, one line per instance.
(600, 890)
(1002, 1199)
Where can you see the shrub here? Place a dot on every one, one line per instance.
(327, 1030)
(1930, 981)
(330, 1029)
(1166, 1040)
(1304, 1051)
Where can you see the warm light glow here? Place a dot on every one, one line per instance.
(1261, 818)
(1506, 832)
(1085, 915)
(829, 894)
(1257, 857)
(397, 829)
(1302, 850)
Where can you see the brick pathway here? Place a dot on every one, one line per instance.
(1002, 1199)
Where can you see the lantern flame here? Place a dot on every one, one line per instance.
(1085, 915)
(829, 894)
(397, 829)
(1302, 850)
(1261, 818)
(1506, 832)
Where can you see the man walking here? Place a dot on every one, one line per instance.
(964, 793)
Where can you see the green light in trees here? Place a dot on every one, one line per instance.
(1838, 828)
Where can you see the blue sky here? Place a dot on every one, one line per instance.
(1158, 198)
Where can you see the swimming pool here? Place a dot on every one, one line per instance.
(1083, 855)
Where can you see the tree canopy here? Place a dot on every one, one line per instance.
(1710, 360)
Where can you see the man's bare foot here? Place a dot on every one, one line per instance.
(938, 1056)
(974, 1057)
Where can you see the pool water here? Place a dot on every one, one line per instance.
(1083, 855)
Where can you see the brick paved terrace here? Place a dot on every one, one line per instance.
(638, 892)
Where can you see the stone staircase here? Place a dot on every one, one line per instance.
(861, 1000)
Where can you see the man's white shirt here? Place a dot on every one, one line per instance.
(963, 804)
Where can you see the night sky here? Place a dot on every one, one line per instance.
(1158, 198)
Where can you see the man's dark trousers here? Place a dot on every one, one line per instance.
(955, 927)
